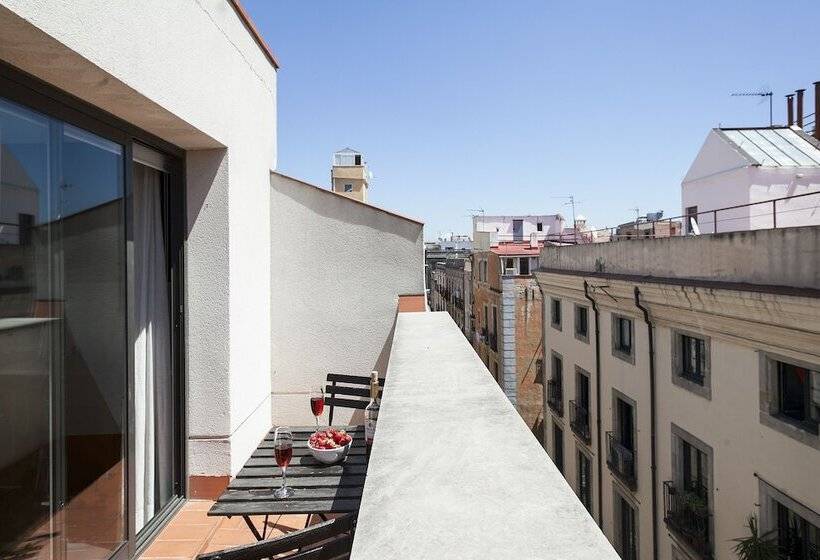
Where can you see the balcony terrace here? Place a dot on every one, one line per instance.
(579, 421)
(686, 512)
(452, 464)
(555, 396)
(621, 460)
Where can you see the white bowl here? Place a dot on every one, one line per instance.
(330, 456)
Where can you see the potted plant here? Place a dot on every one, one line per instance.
(756, 546)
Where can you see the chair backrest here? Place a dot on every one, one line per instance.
(330, 540)
(354, 391)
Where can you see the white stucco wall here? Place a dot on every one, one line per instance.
(338, 267)
(552, 224)
(189, 72)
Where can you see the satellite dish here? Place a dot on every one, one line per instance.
(693, 226)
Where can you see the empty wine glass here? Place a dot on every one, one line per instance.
(283, 450)
(317, 402)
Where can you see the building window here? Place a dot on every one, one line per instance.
(626, 530)
(555, 386)
(494, 332)
(793, 392)
(797, 539)
(693, 358)
(582, 323)
(687, 497)
(585, 480)
(691, 362)
(793, 398)
(509, 266)
(348, 188)
(796, 527)
(622, 337)
(539, 226)
(558, 447)
(555, 313)
(621, 453)
(579, 408)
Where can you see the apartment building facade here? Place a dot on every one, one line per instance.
(683, 388)
(451, 291)
(507, 311)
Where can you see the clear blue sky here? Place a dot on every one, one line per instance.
(504, 105)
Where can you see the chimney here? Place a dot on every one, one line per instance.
(799, 93)
(790, 108)
(816, 133)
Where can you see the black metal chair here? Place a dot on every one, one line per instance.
(330, 540)
(348, 386)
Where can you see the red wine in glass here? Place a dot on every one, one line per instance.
(283, 451)
(317, 403)
(283, 454)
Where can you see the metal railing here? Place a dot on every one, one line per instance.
(686, 512)
(579, 421)
(621, 460)
(555, 396)
(715, 220)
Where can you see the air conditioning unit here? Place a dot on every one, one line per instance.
(509, 272)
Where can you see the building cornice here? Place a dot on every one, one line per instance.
(764, 320)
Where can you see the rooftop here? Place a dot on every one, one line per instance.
(517, 248)
(759, 260)
(775, 146)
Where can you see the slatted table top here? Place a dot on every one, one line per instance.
(317, 488)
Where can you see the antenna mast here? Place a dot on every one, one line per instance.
(757, 94)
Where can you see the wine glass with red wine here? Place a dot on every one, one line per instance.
(283, 451)
(317, 403)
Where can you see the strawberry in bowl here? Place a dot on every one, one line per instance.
(330, 446)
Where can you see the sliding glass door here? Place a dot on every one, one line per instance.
(90, 384)
(63, 315)
(155, 412)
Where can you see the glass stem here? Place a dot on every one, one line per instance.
(284, 477)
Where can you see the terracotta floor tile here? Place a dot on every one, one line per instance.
(179, 532)
(172, 549)
(231, 537)
(193, 517)
(198, 505)
(233, 523)
(291, 522)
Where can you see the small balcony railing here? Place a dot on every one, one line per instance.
(555, 396)
(579, 421)
(621, 460)
(494, 342)
(686, 512)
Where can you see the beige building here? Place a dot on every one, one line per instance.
(684, 388)
(508, 323)
(349, 175)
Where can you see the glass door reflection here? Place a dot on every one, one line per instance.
(63, 339)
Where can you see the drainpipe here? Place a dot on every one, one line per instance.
(651, 331)
(597, 404)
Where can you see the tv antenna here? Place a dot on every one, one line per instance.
(570, 202)
(762, 93)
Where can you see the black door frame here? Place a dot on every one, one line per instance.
(29, 91)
